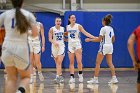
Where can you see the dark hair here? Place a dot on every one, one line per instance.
(22, 23)
(69, 18)
(107, 19)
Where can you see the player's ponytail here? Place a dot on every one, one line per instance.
(69, 19)
(22, 24)
(107, 19)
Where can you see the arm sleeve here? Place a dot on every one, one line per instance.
(102, 32)
(113, 33)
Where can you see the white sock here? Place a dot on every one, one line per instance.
(96, 78)
(114, 77)
(34, 69)
(57, 76)
(39, 72)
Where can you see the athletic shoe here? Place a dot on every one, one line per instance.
(93, 81)
(80, 78)
(18, 91)
(72, 80)
(61, 79)
(57, 80)
(41, 77)
(113, 81)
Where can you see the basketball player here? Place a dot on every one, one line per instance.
(35, 50)
(56, 37)
(106, 39)
(135, 37)
(15, 53)
(75, 47)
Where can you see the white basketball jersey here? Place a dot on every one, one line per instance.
(39, 31)
(8, 19)
(107, 32)
(58, 35)
(73, 33)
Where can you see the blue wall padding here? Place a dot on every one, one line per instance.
(123, 23)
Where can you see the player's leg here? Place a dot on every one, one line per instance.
(24, 80)
(12, 78)
(71, 67)
(99, 59)
(39, 66)
(78, 54)
(59, 60)
(32, 69)
(7, 59)
(112, 68)
(32, 61)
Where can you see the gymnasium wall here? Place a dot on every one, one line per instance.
(123, 23)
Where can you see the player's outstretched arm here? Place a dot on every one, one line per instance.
(85, 32)
(95, 39)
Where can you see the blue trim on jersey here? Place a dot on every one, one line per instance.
(63, 53)
(102, 49)
(39, 52)
(102, 45)
(52, 56)
(104, 40)
(69, 51)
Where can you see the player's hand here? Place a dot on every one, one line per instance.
(43, 48)
(87, 40)
(136, 65)
(65, 33)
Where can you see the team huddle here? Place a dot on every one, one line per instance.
(24, 35)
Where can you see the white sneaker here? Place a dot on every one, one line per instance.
(72, 80)
(41, 77)
(57, 80)
(80, 78)
(113, 81)
(18, 91)
(93, 81)
(61, 79)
